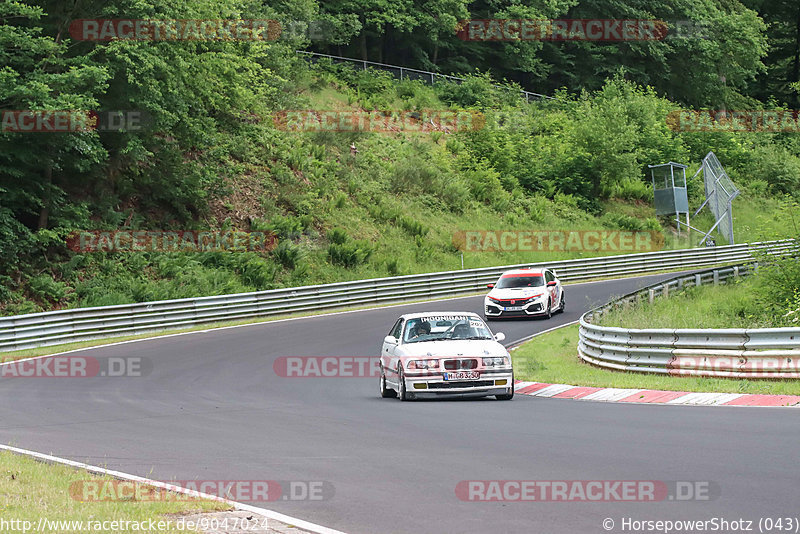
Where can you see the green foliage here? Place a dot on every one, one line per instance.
(45, 288)
(212, 157)
(778, 284)
(351, 253)
(626, 222)
(337, 236)
(288, 254)
(286, 226)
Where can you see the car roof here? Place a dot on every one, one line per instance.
(532, 271)
(418, 315)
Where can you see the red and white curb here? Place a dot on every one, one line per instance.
(652, 396)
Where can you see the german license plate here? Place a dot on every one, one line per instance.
(463, 375)
(512, 308)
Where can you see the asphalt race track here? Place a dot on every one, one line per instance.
(213, 409)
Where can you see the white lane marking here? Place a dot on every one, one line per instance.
(552, 389)
(312, 527)
(611, 394)
(706, 398)
(519, 385)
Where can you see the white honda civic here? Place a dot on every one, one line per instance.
(434, 354)
(525, 293)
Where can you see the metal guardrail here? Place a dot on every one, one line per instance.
(65, 326)
(730, 353)
(410, 74)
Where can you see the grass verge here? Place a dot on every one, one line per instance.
(738, 304)
(30, 490)
(553, 358)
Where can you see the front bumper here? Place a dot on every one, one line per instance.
(433, 384)
(533, 309)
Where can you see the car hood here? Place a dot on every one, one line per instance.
(455, 348)
(522, 293)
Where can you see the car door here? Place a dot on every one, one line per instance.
(388, 349)
(554, 296)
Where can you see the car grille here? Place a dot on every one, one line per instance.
(462, 384)
(458, 365)
(513, 302)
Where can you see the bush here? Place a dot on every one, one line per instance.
(778, 284)
(777, 167)
(337, 236)
(350, 254)
(45, 288)
(288, 254)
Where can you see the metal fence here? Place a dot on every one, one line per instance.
(405, 73)
(731, 353)
(720, 192)
(64, 326)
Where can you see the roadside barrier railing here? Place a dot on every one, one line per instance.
(82, 324)
(405, 73)
(730, 353)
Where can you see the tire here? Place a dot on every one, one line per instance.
(549, 313)
(563, 302)
(507, 396)
(386, 393)
(403, 395)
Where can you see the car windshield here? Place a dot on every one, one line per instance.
(515, 281)
(445, 328)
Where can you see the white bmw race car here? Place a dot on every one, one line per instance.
(525, 293)
(434, 354)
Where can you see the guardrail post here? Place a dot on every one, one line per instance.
(665, 292)
(365, 65)
(698, 280)
(716, 278)
(651, 295)
(736, 271)
(680, 284)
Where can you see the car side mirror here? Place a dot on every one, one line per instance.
(490, 286)
(390, 340)
(552, 283)
(499, 336)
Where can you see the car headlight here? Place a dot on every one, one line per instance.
(423, 364)
(494, 300)
(495, 362)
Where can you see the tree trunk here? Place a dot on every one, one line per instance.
(796, 63)
(364, 46)
(44, 213)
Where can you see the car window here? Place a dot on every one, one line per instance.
(417, 330)
(433, 329)
(514, 281)
(396, 329)
(548, 276)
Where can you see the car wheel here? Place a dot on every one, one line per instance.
(549, 313)
(507, 396)
(386, 392)
(563, 302)
(401, 377)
